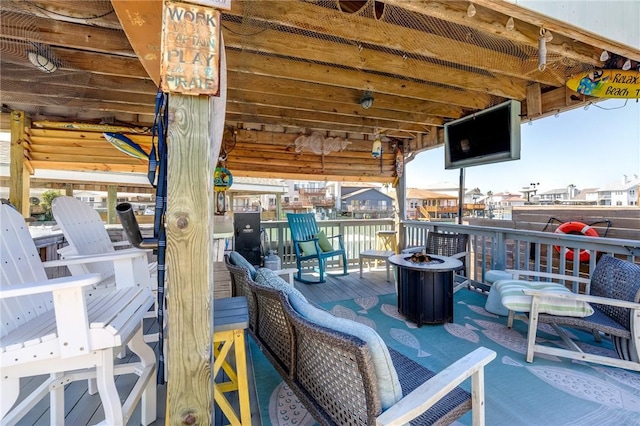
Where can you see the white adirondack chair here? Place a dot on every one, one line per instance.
(86, 234)
(63, 328)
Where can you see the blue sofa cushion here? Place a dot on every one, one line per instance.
(268, 278)
(388, 383)
(238, 260)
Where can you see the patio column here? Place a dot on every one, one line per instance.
(194, 139)
(401, 202)
(112, 197)
(19, 172)
(189, 221)
(278, 206)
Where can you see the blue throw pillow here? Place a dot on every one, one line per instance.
(238, 260)
(388, 383)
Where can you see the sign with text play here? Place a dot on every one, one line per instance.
(190, 49)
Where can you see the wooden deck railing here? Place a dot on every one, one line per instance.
(490, 247)
(500, 248)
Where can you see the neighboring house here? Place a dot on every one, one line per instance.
(366, 203)
(500, 204)
(587, 196)
(307, 196)
(558, 196)
(620, 194)
(506, 199)
(426, 204)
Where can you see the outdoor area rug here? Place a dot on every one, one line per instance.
(550, 391)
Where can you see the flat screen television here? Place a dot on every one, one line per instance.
(489, 136)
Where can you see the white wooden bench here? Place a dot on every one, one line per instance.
(64, 328)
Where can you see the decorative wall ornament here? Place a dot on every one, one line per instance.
(319, 144)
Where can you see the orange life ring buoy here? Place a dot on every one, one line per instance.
(575, 228)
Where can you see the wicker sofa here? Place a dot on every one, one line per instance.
(342, 371)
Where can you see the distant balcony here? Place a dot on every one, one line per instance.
(317, 192)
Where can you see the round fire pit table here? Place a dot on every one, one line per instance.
(425, 289)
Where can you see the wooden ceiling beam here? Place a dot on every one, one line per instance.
(82, 185)
(101, 82)
(273, 85)
(362, 30)
(313, 49)
(87, 158)
(99, 63)
(89, 167)
(325, 74)
(88, 13)
(319, 120)
(271, 174)
(524, 32)
(315, 105)
(74, 103)
(578, 34)
(64, 34)
(78, 92)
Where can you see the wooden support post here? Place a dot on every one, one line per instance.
(68, 189)
(534, 100)
(189, 222)
(401, 214)
(18, 171)
(278, 206)
(112, 198)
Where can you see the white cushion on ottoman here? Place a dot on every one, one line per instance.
(514, 299)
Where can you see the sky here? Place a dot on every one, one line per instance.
(587, 148)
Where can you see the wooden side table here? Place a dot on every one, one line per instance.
(230, 319)
(386, 240)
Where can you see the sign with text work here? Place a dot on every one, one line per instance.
(190, 49)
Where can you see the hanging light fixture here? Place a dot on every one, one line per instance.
(366, 100)
(627, 65)
(43, 63)
(604, 55)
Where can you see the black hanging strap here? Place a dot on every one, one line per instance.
(159, 165)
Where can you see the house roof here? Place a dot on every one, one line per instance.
(363, 191)
(621, 185)
(425, 194)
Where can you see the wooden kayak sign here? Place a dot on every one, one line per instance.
(609, 83)
(190, 61)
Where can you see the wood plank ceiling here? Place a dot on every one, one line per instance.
(294, 68)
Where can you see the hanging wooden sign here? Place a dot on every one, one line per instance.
(607, 83)
(190, 61)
